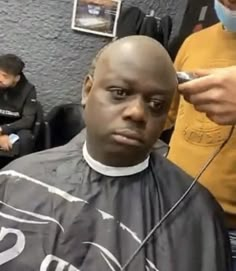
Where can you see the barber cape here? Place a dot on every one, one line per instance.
(58, 214)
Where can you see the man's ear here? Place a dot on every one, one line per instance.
(17, 79)
(87, 86)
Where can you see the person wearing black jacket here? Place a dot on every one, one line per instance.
(17, 107)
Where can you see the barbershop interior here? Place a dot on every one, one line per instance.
(117, 135)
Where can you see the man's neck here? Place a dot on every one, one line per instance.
(113, 171)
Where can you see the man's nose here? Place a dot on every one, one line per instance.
(136, 110)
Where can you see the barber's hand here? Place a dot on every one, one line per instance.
(5, 143)
(214, 93)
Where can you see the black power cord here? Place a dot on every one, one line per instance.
(182, 198)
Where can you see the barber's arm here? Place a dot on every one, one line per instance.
(213, 93)
(27, 119)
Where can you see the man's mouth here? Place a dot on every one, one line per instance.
(128, 137)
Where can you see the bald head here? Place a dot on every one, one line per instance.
(139, 51)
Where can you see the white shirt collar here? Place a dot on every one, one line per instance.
(113, 171)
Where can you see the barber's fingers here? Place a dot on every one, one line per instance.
(213, 95)
(205, 72)
(197, 85)
(216, 113)
(223, 119)
(219, 112)
(209, 108)
(206, 80)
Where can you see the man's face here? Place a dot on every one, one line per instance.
(7, 80)
(126, 105)
(231, 4)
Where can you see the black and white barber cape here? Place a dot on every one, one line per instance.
(58, 214)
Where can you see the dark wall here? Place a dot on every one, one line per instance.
(57, 58)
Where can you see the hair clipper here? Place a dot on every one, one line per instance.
(185, 77)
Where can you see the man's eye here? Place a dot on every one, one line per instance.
(119, 93)
(156, 105)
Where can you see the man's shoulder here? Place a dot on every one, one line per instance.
(167, 168)
(32, 163)
(179, 183)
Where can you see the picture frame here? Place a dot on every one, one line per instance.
(97, 17)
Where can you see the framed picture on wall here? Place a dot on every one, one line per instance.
(96, 16)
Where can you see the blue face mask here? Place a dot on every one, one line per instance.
(226, 16)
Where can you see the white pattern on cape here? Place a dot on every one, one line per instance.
(108, 257)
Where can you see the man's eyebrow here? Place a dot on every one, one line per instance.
(155, 90)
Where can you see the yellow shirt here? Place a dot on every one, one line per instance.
(195, 137)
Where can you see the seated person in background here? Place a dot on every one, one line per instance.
(17, 107)
(90, 204)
